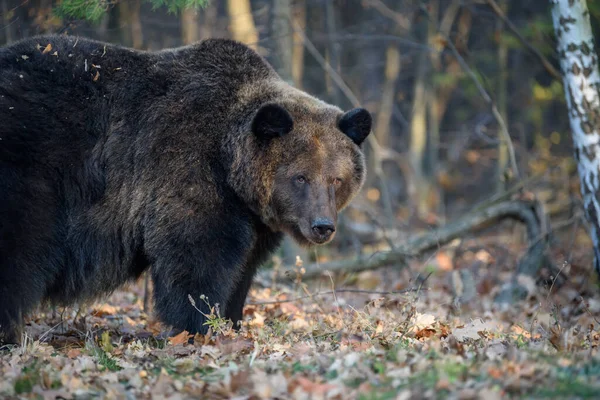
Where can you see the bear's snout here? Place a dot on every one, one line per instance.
(322, 229)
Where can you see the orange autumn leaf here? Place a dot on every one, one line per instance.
(312, 387)
(73, 353)
(181, 338)
(47, 49)
(444, 331)
(425, 333)
(104, 310)
(444, 261)
(496, 373)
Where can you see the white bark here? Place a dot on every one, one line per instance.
(579, 64)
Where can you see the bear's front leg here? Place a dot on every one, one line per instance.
(235, 304)
(198, 258)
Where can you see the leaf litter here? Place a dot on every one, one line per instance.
(360, 344)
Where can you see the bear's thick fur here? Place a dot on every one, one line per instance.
(192, 161)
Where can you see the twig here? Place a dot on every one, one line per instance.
(41, 338)
(549, 67)
(333, 293)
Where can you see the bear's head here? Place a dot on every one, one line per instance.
(311, 163)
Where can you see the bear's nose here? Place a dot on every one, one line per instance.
(323, 228)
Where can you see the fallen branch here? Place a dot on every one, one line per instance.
(524, 211)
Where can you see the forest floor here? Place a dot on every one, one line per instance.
(439, 335)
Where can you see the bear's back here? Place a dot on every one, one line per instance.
(62, 92)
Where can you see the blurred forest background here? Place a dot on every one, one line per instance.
(448, 82)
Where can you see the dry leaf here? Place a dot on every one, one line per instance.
(474, 330)
(444, 261)
(425, 333)
(423, 320)
(181, 338)
(104, 310)
(74, 353)
(312, 387)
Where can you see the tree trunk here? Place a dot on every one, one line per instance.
(6, 20)
(190, 28)
(208, 21)
(386, 107)
(123, 22)
(313, 77)
(333, 51)
(279, 33)
(418, 127)
(502, 166)
(579, 64)
(137, 34)
(241, 22)
(299, 17)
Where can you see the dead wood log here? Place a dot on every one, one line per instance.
(527, 212)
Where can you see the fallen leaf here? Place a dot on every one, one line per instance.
(181, 338)
(444, 261)
(425, 333)
(442, 384)
(423, 320)
(496, 373)
(312, 387)
(474, 330)
(73, 353)
(104, 310)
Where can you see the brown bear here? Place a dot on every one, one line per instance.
(192, 162)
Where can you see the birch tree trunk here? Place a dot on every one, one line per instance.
(579, 64)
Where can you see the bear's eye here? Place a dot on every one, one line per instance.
(337, 181)
(300, 179)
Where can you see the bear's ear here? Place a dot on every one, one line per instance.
(272, 121)
(356, 123)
